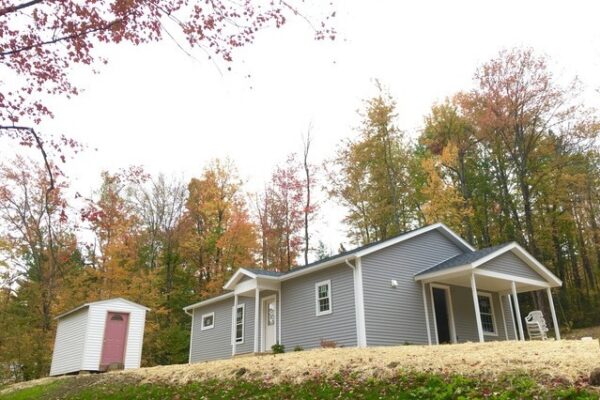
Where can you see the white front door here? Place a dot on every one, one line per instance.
(269, 323)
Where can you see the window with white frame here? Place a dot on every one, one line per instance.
(323, 297)
(240, 314)
(208, 321)
(486, 311)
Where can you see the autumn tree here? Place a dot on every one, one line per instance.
(281, 211)
(520, 150)
(39, 252)
(218, 234)
(42, 41)
(370, 174)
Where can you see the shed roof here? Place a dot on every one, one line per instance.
(101, 302)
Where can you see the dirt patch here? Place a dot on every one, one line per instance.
(569, 361)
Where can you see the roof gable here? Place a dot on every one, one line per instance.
(479, 258)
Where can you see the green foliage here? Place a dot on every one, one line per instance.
(278, 348)
(298, 348)
(405, 385)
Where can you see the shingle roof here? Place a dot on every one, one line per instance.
(463, 259)
(263, 272)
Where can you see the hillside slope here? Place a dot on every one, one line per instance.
(566, 362)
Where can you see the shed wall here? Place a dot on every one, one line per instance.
(95, 334)
(69, 343)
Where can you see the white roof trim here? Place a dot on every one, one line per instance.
(380, 246)
(208, 301)
(410, 235)
(317, 267)
(101, 302)
(516, 249)
(230, 285)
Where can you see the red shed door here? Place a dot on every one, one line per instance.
(115, 335)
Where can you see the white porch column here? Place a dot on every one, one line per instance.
(476, 305)
(233, 321)
(553, 312)
(503, 316)
(512, 315)
(279, 317)
(517, 309)
(256, 316)
(426, 313)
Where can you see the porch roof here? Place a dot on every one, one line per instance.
(464, 259)
(458, 270)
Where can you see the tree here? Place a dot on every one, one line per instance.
(281, 213)
(218, 235)
(43, 40)
(310, 206)
(39, 251)
(370, 175)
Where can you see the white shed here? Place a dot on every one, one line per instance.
(95, 335)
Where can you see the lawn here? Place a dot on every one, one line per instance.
(489, 370)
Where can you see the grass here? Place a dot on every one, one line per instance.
(575, 334)
(473, 370)
(404, 385)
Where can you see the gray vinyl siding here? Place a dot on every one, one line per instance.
(300, 324)
(508, 263)
(510, 323)
(396, 315)
(215, 343)
(464, 316)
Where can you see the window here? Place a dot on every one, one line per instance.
(239, 324)
(323, 297)
(208, 321)
(486, 311)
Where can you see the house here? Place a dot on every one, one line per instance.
(426, 286)
(96, 335)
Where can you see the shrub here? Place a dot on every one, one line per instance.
(298, 348)
(278, 348)
(328, 344)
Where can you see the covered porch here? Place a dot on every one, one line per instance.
(480, 290)
(265, 314)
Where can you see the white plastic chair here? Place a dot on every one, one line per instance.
(536, 326)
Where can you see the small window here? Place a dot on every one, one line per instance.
(323, 297)
(208, 321)
(116, 317)
(239, 324)
(486, 311)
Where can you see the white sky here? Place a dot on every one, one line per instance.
(155, 106)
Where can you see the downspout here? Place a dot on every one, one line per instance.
(359, 305)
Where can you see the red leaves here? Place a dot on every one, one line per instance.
(40, 40)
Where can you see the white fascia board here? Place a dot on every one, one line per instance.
(236, 277)
(508, 277)
(444, 272)
(136, 305)
(72, 311)
(317, 267)
(121, 299)
(209, 301)
(439, 226)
